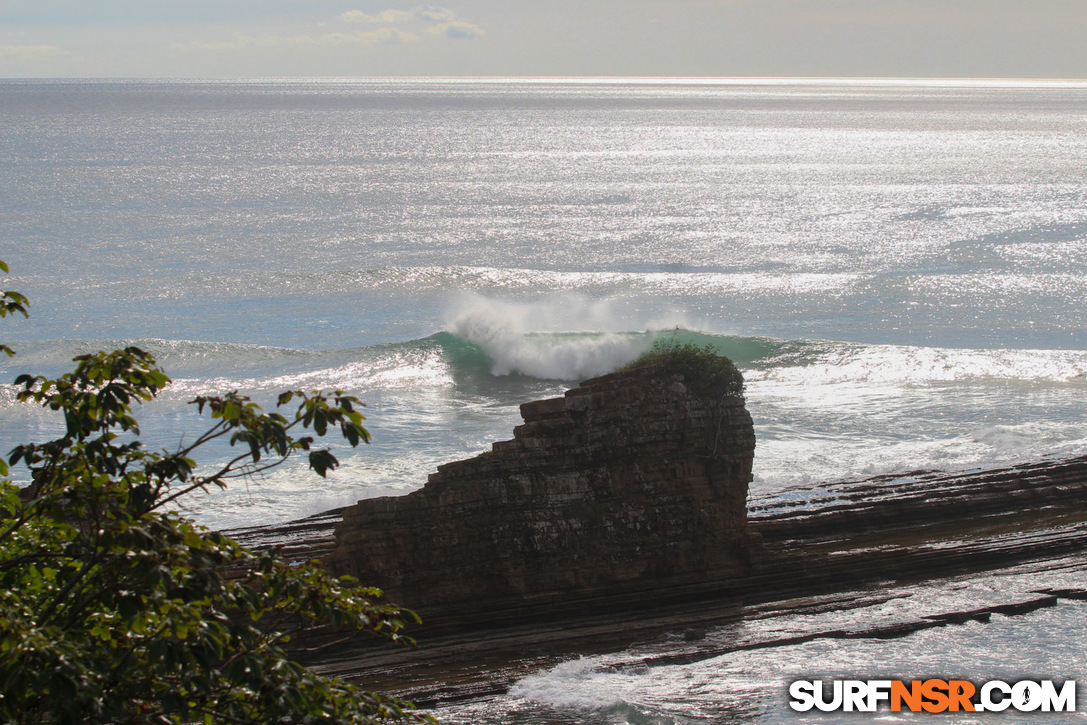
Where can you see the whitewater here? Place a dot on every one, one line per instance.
(898, 268)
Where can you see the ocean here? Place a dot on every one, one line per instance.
(898, 267)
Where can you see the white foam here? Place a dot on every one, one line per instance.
(899, 364)
(592, 690)
(509, 333)
(576, 684)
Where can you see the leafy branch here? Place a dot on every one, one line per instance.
(115, 608)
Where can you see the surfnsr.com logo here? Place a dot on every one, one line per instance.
(933, 695)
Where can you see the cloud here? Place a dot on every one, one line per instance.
(27, 52)
(437, 15)
(385, 17)
(456, 30)
(386, 36)
(430, 21)
(355, 27)
(380, 36)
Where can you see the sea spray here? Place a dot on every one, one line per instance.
(583, 686)
(507, 333)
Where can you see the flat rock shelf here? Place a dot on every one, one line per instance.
(614, 522)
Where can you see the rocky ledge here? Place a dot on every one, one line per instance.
(618, 513)
(633, 482)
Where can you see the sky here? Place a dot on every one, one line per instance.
(686, 38)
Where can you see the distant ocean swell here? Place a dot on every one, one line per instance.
(824, 410)
(987, 308)
(478, 347)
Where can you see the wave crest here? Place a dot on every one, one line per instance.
(536, 339)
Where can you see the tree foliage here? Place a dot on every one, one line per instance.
(116, 609)
(11, 303)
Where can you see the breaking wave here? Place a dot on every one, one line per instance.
(485, 343)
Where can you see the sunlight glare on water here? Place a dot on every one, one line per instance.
(898, 267)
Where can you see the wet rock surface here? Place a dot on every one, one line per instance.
(616, 519)
(632, 482)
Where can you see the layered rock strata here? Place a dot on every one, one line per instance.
(855, 548)
(631, 486)
(919, 526)
(616, 515)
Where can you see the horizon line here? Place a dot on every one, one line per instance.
(951, 81)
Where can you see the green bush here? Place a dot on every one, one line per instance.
(703, 370)
(115, 609)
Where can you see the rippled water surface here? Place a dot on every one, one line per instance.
(899, 269)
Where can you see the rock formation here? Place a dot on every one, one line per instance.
(617, 515)
(632, 485)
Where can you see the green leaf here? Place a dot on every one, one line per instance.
(322, 461)
(116, 608)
